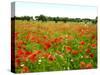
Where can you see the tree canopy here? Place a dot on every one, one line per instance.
(44, 18)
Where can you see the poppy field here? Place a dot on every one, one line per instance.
(49, 46)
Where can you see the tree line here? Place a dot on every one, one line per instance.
(44, 18)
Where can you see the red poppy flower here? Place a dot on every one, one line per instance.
(49, 56)
(25, 57)
(27, 53)
(33, 38)
(80, 47)
(82, 65)
(32, 58)
(82, 42)
(25, 69)
(93, 36)
(17, 62)
(46, 45)
(91, 55)
(17, 56)
(45, 36)
(74, 52)
(82, 33)
(88, 51)
(57, 40)
(89, 66)
(20, 43)
(20, 52)
(93, 45)
(68, 48)
(38, 40)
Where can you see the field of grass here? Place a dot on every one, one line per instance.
(50, 46)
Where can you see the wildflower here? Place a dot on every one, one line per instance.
(38, 40)
(93, 37)
(25, 57)
(80, 47)
(20, 52)
(22, 65)
(20, 43)
(46, 45)
(49, 56)
(88, 51)
(33, 38)
(93, 45)
(74, 52)
(82, 65)
(81, 56)
(91, 55)
(45, 36)
(40, 61)
(33, 56)
(57, 40)
(25, 69)
(27, 53)
(72, 60)
(17, 62)
(89, 66)
(68, 48)
(82, 42)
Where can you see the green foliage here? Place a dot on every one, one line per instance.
(44, 18)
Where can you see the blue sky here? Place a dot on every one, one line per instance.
(61, 10)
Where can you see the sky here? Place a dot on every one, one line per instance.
(54, 10)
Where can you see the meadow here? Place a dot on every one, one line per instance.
(49, 46)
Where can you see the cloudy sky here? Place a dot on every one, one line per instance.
(61, 10)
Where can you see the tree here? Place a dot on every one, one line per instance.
(55, 19)
(64, 19)
(94, 21)
(37, 18)
(41, 17)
